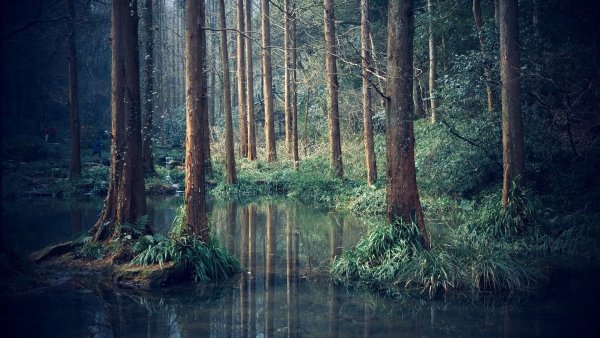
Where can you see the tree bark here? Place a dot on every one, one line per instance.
(512, 123)
(241, 80)
(149, 90)
(486, 71)
(402, 193)
(335, 147)
(287, 93)
(270, 149)
(366, 93)
(432, 65)
(126, 200)
(250, 84)
(195, 216)
(75, 161)
(294, 89)
(230, 173)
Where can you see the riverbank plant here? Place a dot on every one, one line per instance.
(203, 260)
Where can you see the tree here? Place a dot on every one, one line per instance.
(486, 70)
(75, 162)
(401, 192)
(250, 84)
(149, 90)
(126, 199)
(335, 147)
(230, 173)
(241, 80)
(270, 149)
(293, 88)
(432, 64)
(195, 217)
(512, 121)
(366, 57)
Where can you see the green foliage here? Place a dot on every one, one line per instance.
(205, 261)
(88, 249)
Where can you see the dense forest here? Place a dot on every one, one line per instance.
(464, 133)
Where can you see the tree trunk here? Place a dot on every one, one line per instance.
(402, 193)
(335, 147)
(512, 123)
(287, 46)
(270, 149)
(497, 11)
(432, 65)
(75, 162)
(366, 93)
(486, 71)
(241, 75)
(126, 200)
(195, 216)
(149, 104)
(293, 89)
(250, 85)
(230, 173)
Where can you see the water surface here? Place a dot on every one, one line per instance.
(284, 246)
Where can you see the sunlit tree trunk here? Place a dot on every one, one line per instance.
(486, 70)
(335, 147)
(287, 45)
(149, 90)
(195, 216)
(241, 79)
(402, 193)
(366, 93)
(75, 161)
(270, 149)
(126, 200)
(230, 173)
(432, 65)
(250, 84)
(512, 123)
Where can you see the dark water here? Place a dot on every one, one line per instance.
(284, 246)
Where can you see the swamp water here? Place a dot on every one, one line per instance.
(284, 246)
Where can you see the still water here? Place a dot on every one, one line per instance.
(284, 247)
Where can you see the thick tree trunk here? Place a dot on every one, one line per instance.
(230, 173)
(250, 85)
(149, 90)
(402, 193)
(195, 216)
(486, 71)
(241, 79)
(126, 200)
(366, 93)
(512, 123)
(432, 65)
(270, 149)
(75, 162)
(335, 147)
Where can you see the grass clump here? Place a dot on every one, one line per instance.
(392, 258)
(205, 261)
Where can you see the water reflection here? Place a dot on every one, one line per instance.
(282, 246)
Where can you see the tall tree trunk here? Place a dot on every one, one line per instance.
(126, 200)
(432, 64)
(497, 11)
(195, 216)
(287, 46)
(402, 193)
(75, 162)
(230, 173)
(335, 147)
(294, 89)
(241, 79)
(250, 84)
(512, 122)
(270, 149)
(150, 103)
(366, 93)
(486, 71)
